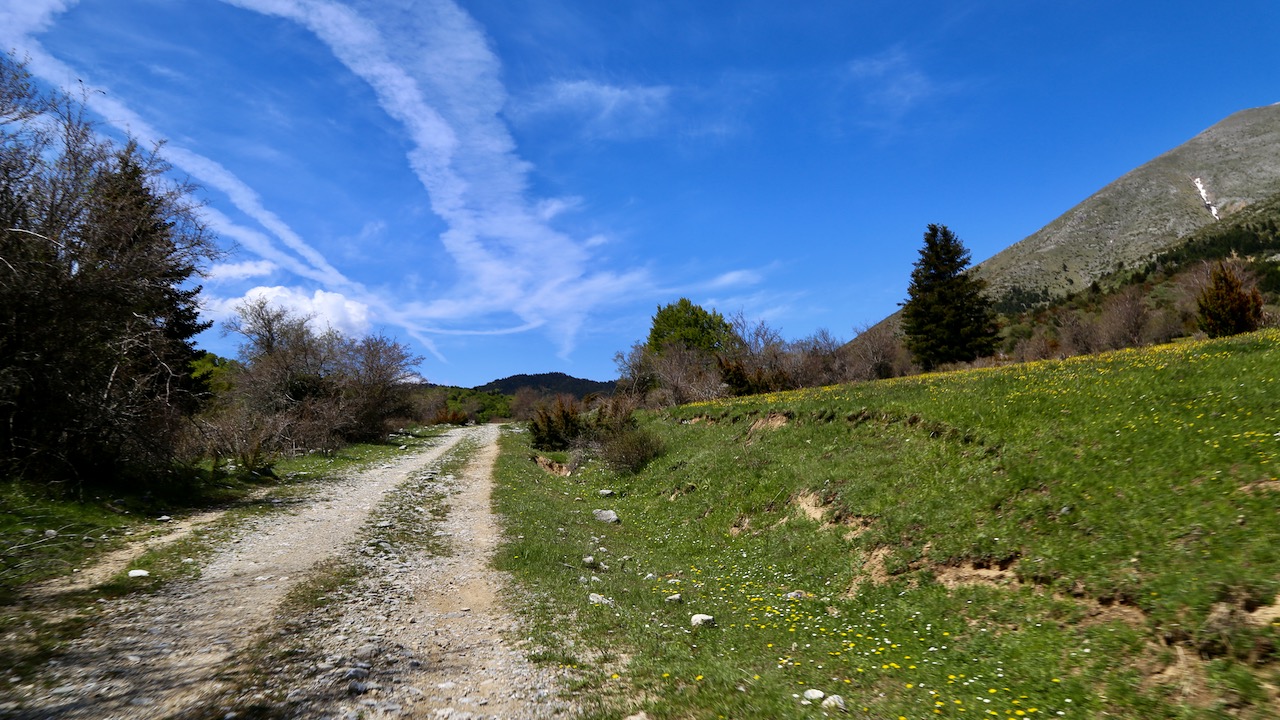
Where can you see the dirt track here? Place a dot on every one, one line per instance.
(418, 636)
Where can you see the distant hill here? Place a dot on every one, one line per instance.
(1146, 211)
(555, 383)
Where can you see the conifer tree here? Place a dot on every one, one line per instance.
(98, 308)
(690, 326)
(947, 318)
(1225, 307)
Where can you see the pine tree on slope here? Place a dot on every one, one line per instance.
(947, 318)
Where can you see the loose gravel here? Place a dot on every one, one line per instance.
(422, 630)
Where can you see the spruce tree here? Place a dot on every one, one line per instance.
(1226, 308)
(947, 317)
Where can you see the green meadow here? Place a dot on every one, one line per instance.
(1087, 537)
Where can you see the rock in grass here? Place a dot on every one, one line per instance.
(834, 702)
(598, 599)
(606, 516)
(675, 598)
(701, 620)
(138, 573)
(605, 493)
(814, 694)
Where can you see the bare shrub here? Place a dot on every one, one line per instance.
(525, 403)
(1124, 320)
(374, 384)
(252, 439)
(687, 375)
(819, 360)
(755, 360)
(1040, 346)
(296, 390)
(1165, 325)
(877, 351)
(1077, 333)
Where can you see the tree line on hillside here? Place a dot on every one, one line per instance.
(1216, 283)
(948, 319)
(100, 381)
(693, 354)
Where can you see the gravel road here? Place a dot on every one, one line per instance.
(422, 631)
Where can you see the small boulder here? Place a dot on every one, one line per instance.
(834, 702)
(814, 694)
(606, 516)
(675, 598)
(598, 599)
(138, 573)
(701, 620)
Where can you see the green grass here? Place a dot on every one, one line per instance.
(1127, 495)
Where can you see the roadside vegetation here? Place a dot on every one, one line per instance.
(1069, 538)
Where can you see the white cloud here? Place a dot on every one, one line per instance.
(225, 272)
(327, 309)
(734, 278)
(21, 18)
(552, 207)
(604, 110)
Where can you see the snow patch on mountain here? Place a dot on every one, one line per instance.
(1204, 195)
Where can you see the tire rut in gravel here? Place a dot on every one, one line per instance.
(164, 655)
(426, 632)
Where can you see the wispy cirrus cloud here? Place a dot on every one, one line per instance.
(432, 71)
(601, 110)
(892, 80)
(889, 87)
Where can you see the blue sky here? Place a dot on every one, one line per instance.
(516, 186)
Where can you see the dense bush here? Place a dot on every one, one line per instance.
(556, 426)
(1226, 307)
(630, 449)
(609, 430)
(98, 254)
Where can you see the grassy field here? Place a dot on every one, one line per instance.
(1095, 536)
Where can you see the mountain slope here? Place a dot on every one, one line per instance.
(1148, 209)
